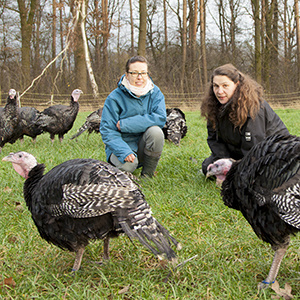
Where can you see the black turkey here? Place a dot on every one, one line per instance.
(175, 128)
(91, 124)
(265, 187)
(59, 119)
(27, 123)
(9, 120)
(86, 199)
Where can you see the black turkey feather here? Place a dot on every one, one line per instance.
(91, 124)
(265, 187)
(59, 119)
(86, 199)
(27, 122)
(175, 128)
(9, 120)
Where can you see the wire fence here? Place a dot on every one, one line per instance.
(184, 101)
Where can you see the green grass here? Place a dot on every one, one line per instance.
(230, 260)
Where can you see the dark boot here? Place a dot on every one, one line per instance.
(149, 165)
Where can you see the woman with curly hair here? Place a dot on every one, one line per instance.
(237, 115)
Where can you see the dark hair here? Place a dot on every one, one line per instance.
(246, 100)
(134, 59)
(227, 70)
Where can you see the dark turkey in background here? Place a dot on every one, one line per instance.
(175, 128)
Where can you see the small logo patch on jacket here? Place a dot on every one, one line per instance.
(248, 136)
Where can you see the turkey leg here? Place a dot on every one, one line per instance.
(278, 256)
(78, 259)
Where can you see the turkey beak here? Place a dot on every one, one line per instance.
(209, 172)
(8, 157)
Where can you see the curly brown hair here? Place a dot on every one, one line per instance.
(245, 102)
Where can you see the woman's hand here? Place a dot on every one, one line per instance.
(118, 126)
(130, 158)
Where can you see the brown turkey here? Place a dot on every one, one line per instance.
(86, 199)
(59, 119)
(265, 187)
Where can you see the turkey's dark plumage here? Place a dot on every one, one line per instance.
(92, 123)
(265, 187)
(59, 119)
(175, 128)
(27, 122)
(85, 199)
(9, 120)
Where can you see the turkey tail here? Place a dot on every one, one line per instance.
(81, 130)
(154, 237)
(138, 223)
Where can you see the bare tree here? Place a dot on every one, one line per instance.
(166, 35)
(297, 19)
(80, 80)
(131, 29)
(184, 43)
(203, 44)
(257, 40)
(142, 27)
(86, 51)
(27, 13)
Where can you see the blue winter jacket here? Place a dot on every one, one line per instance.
(136, 114)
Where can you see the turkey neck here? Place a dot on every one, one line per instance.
(34, 176)
(11, 107)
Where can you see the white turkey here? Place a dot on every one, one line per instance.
(59, 119)
(91, 124)
(175, 128)
(265, 187)
(86, 199)
(9, 120)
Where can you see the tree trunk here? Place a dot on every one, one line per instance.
(193, 43)
(86, 51)
(166, 38)
(297, 17)
(79, 57)
(233, 29)
(142, 28)
(257, 38)
(131, 29)
(53, 71)
(184, 43)
(105, 34)
(27, 19)
(203, 45)
(37, 42)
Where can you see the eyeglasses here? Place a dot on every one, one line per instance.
(136, 74)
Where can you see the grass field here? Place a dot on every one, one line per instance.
(230, 260)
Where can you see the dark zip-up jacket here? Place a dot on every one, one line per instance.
(229, 142)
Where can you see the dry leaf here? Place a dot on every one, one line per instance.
(9, 282)
(286, 293)
(124, 290)
(19, 206)
(7, 189)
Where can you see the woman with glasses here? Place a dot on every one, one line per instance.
(132, 120)
(237, 115)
